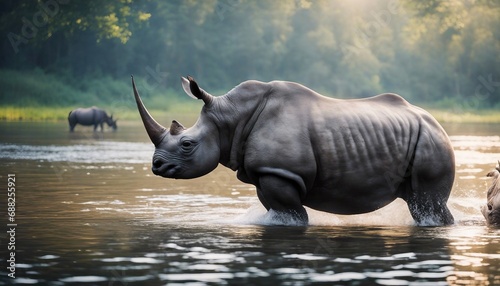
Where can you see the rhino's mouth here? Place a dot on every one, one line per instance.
(166, 170)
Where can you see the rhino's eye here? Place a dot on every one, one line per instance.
(187, 144)
(490, 207)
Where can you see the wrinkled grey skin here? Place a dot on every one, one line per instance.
(491, 211)
(300, 148)
(90, 116)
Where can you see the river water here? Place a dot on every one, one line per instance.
(90, 212)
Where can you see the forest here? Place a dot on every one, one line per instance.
(440, 53)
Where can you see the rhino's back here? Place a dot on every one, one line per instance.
(340, 148)
(88, 116)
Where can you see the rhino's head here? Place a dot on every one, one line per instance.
(111, 122)
(182, 153)
(492, 209)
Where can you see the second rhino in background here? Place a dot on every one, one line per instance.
(90, 116)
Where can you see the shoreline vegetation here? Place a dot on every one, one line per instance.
(34, 95)
(59, 113)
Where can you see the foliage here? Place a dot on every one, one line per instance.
(39, 88)
(430, 52)
(36, 95)
(43, 20)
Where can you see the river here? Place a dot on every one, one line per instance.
(90, 212)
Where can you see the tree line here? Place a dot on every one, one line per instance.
(436, 52)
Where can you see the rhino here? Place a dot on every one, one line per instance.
(300, 148)
(491, 211)
(90, 116)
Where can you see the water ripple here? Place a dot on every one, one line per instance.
(96, 152)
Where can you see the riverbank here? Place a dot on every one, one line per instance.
(15, 113)
(472, 116)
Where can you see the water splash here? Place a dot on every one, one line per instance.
(465, 212)
(257, 215)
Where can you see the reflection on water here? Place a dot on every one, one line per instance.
(89, 211)
(95, 152)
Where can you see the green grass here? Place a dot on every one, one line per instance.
(44, 113)
(471, 116)
(58, 113)
(13, 113)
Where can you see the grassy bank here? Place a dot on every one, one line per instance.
(474, 116)
(14, 113)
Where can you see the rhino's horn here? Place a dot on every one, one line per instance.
(154, 129)
(498, 167)
(176, 128)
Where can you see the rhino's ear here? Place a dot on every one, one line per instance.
(176, 128)
(187, 88)
(193, 90)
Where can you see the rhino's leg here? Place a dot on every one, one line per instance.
(71, 123)
(427, 212)
(431, 180)
(262, 199)
(281, 197)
